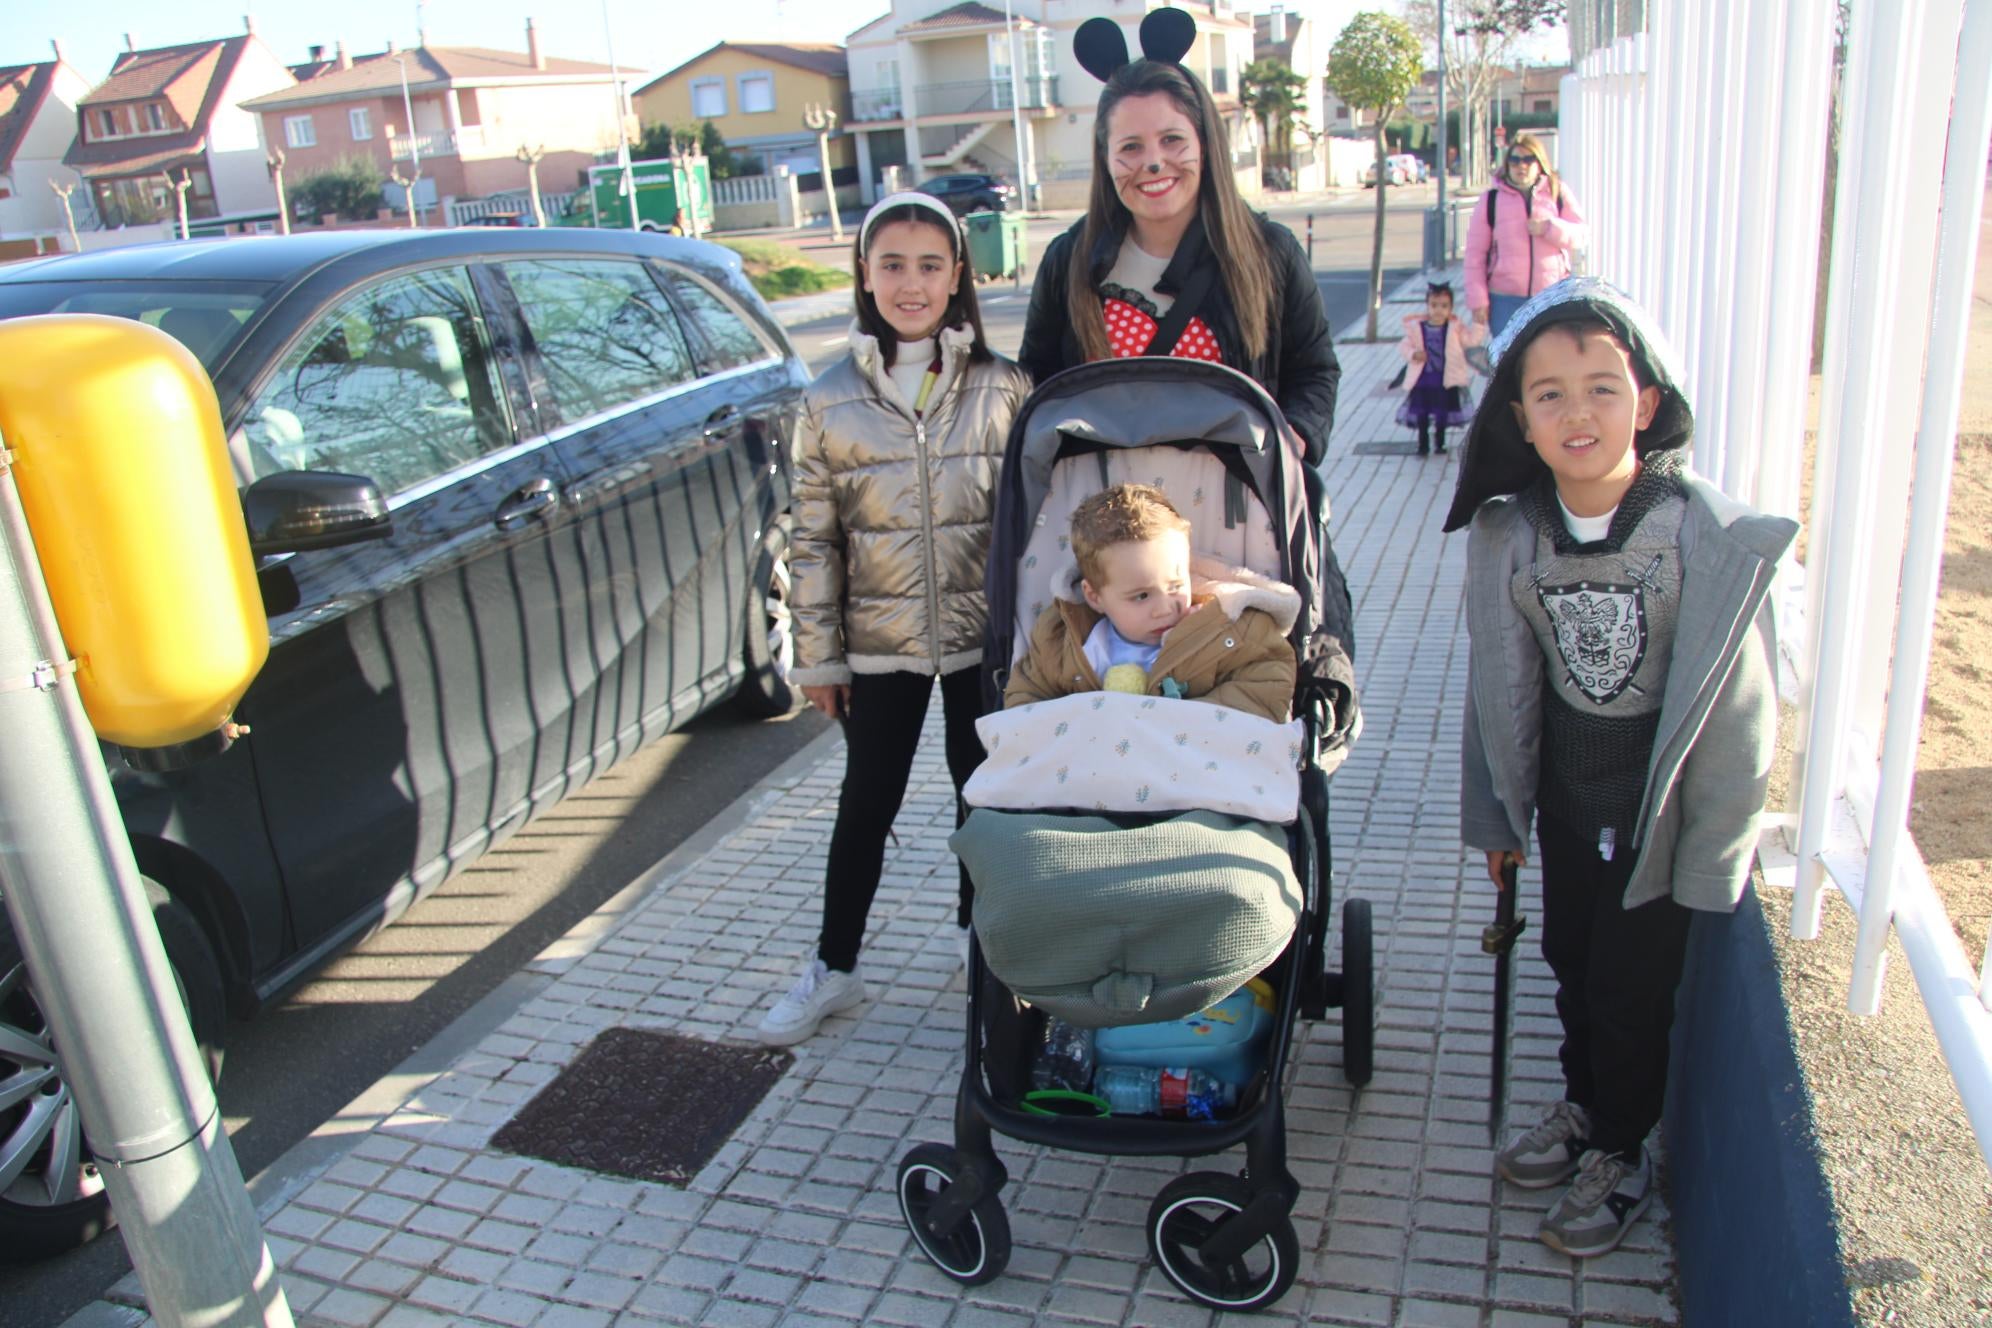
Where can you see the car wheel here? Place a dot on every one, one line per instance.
(51, 1197)
(770, 651)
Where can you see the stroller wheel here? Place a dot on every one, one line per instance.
(1190, 1217)
(1358, 993)
(971, 1246)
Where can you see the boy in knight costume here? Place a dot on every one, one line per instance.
(1621, 698)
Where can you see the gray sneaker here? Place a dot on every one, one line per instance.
(818, 991)
(1547, 1154)
(1601, 1205)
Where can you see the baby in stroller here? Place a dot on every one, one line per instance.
(1139, 855)
(1137, 614)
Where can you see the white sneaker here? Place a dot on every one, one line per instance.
(820, 990)
(961, 944)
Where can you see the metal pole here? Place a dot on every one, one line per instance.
(1444, 221)
(79, 910)
(1750, 288)
(1803, 115)
(622, 132)
(1963, 191)
(1016, 103)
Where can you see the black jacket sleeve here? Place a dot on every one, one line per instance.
(1044, 350)
(1308, 372)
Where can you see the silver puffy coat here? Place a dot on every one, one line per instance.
(892, 514)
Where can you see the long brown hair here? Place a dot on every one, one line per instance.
(962, 308)
(1530, 144)
(1230, 230)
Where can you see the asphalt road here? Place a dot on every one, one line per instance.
(296, 1064)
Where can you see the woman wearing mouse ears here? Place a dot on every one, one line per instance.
(1164, 226)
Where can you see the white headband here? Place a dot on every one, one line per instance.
(910, 198)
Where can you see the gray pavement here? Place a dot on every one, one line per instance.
(398, 1212)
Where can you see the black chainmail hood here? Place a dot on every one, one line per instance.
(1497, 460)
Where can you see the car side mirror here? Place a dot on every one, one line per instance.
(295, 510)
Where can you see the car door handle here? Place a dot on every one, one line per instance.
(535, 501)
(722, 421)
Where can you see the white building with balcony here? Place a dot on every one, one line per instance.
(939, 88)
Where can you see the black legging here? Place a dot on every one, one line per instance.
(881, 736)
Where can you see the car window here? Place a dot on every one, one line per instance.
(605, 333)
(394, 383)
(732, 340)
(204, 317)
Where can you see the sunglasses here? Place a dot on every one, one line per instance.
(1514, 160)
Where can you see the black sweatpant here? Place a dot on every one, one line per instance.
(1616, 973)
(881, 735)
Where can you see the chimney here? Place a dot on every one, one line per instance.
(533, 47)
(55, 44)
(130, 45)
(345, 61)
(391, 47)
(317, 53)
(249, 24)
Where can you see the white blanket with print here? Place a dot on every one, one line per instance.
(1117, 752)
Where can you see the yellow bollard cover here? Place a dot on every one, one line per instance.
(125, 478)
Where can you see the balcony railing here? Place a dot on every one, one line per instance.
(991, 95)
(403, 146)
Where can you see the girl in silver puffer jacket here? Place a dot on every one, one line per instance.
(895, 485)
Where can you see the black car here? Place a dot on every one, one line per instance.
(580, 437)
(970, 193)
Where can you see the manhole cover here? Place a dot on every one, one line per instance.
(644, 1104)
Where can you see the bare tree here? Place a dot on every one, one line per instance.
(63, 191)
(1481, 35)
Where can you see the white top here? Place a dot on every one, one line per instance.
(1586, 529)
(1106, 647)
(909, 368)
(1139, 270)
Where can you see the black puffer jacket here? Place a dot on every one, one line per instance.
(1299, 370)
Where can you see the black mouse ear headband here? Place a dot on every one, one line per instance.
(1166, 35)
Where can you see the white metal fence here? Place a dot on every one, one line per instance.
(1700, 147)
(462, 211)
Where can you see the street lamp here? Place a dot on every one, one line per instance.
(1017, 106)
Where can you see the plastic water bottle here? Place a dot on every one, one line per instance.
(1137, 1090)
(1064, 1059)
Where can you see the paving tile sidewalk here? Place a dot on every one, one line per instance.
(795, 1222)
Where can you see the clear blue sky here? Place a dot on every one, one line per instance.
(651, 34)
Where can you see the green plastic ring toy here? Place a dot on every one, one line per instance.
(1038, 1101)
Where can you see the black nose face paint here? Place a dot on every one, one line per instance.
(1154, 168)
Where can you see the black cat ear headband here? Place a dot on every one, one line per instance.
(1166, 35)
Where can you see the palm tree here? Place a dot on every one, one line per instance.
(1275, 95)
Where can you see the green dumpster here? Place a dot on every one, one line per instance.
(995, 244)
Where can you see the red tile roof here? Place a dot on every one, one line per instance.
(969, 14)
(824, 58)
(428, 66)
(23, 89)
(191, 78)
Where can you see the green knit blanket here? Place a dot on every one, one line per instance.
(1103, 925)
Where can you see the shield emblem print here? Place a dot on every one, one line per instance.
(1601, 634)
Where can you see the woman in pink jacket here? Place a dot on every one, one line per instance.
(1521, 235)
